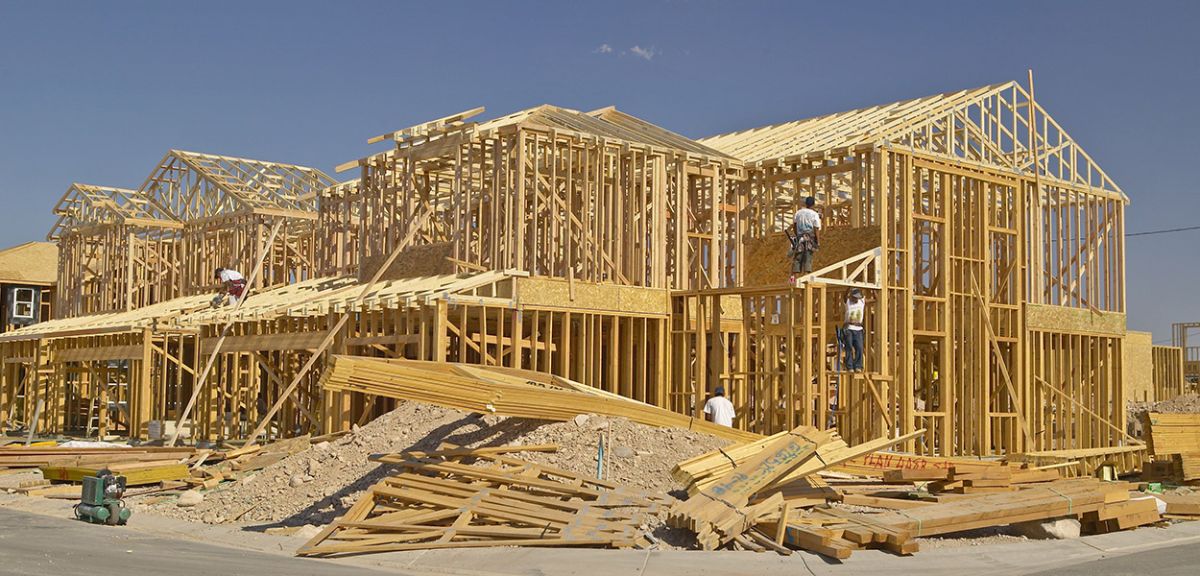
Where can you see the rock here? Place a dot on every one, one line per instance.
(296, 481)
(321, 446)
(623, 452)
(598, 423)
(313, 466)
(1055, 529)
(189, 498)
(306, 532)
(581, 419)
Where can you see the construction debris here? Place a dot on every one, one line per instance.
(460, 498)
(333, 474)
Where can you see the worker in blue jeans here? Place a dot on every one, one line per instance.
(852, 332)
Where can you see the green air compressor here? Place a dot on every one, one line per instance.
(101, 501)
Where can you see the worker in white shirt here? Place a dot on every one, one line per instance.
(856, 309)
(719, 409)
(233, 285)
(808, 224)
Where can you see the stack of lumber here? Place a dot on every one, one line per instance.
(507, 392)
(36, 457)
(704, 471)
(135, 473)
(878, 463)
(460, 498)
(732, 491)
(1174, 438)
(976, 479)
(1181, 506)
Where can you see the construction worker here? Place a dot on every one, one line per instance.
(856, 309)
(804, 243)
(719, 409)
(233, 285)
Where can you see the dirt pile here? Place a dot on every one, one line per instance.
(320, 483)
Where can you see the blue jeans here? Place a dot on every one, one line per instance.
(854, 349)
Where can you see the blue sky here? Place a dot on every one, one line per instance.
(97, 92)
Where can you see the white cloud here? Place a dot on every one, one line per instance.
(603, 49)
(644, 53)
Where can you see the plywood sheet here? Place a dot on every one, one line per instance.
(538, 292)
(1139, 367)
(1061, 319)
(413, 262)
(768, 264)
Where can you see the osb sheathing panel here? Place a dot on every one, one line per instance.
(1073, 320)
(1139, 367)
(555, 293)
(767, 261)
(414, 262)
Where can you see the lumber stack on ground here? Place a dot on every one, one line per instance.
(36, 457)
(728, 498)
(467, 498)
(1172, 433)
(704, 471)
(1174, 441)
(506, 392)
(135, 473)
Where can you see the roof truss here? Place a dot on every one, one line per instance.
(85, 205)
(997, 125)
(194, 186)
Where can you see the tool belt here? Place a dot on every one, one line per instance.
(237, 288)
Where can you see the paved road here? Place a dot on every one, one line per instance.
(36, 545)
(1183, 560)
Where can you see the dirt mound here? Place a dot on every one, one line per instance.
(320, 483)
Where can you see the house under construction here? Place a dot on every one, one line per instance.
(602, 248)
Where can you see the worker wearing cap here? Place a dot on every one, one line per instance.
(233, 285)
(856, 309)
(719, 409)
(808, 223)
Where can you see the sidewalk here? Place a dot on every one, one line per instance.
(1008, 558)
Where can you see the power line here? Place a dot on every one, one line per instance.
(1167, 231)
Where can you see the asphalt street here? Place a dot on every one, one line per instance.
(37, 545)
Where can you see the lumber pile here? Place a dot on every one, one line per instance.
(1174, 442)
(1181, 506)
(731, 491)
(135, 473)
(966, 478)
(775, 494)
(466, 498)
(704, 471)
(503, 391)
(39, 456)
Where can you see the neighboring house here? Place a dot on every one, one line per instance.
(27, 277)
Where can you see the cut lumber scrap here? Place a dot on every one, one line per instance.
(461, 498)
(1121, 516)
(452, 386)
(1181, 504)
(1172, 433)
(136, 474)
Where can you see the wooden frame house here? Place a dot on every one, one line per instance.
(999, 323)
